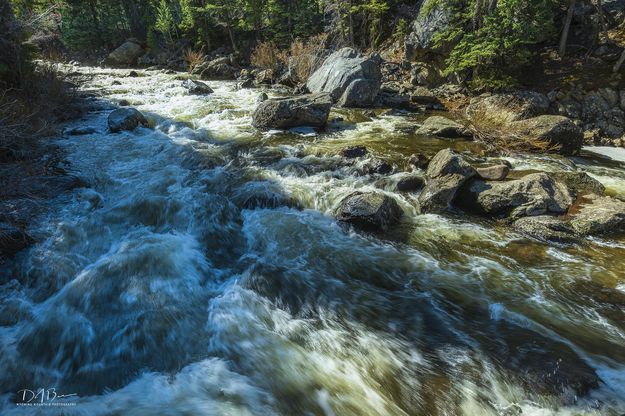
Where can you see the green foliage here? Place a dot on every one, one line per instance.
(165, 21)
(493, 45)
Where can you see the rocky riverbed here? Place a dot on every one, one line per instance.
(368, 267)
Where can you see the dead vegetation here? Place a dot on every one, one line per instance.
(194, 58)
(498, 132)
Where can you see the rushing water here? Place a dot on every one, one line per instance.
(202, 273)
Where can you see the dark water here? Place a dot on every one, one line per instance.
(203, 273)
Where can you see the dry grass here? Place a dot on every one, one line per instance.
(266, 55)
(305, 57)
(497, 131)
(194, 58)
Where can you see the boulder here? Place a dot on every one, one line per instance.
(12, 239)
(557, 130)
(197, 87)
(534, 194)
(579, 183)
(493, 173)
(599, 215)
(418, 160)
(126, 54)
(410, 183)
(125, 119)
(219, 69)
(443, 127)
(546, 228)
(446, 172)
(282, 113)
(354, 151)
(515, 106)
(369, 210)
(420, 42)
(378, 166)
(81, 131)
(351, 80)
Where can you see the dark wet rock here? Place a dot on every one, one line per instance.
(126, 119)
(493, 173)
(12, 239)
(116, 82)
(579, 183)
(534, 194)
(378, 166)
(599, 215)
(352, 80)
(369, 113)
(546, 228)
(246, 83)
(515, 106)
(443, 127)
(410, 183)
(123, 103)
(197, 87)
(370, 210)
(126, 54)
(557, 130)
(354, 151)
(220, 68)
(81, 131)
(419, 160)
(281, 113)
(262, 97)
(446, 173)
(264, 77)
(133, 74)
(263, 194)
(392, 100)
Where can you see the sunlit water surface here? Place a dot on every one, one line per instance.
(203, 273)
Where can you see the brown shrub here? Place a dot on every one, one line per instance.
(305, 58)
(495, 130)
(266, 55)
(194, 58)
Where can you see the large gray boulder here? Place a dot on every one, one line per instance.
(126, 119)
(369, 210)
(218, 69)
(534, 194)
(197, 87)
(126, 54)
(420, 43)
(446, 172)
(282, 113)
(352, 80)
(443, 127)
(557, 130)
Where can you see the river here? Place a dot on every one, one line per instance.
(202, 273)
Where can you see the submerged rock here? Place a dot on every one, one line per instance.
(370, 210)
(443, 127)
(281, 113)
(354, 151)
(378, 166)
(12, 239)
(81, 131)
(126, 119)
(534, 194)
(197, 87)
(446, 172)
(418, 160)
(351, 80)
(557, 130)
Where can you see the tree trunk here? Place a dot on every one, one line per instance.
(602, 18)
(231, 35)
(477, 15)
(567, 27)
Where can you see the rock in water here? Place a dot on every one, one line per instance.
(446, 172)
(351, 152)
(443, 127)
(599, 215)
(197, 87)
(546, 228)
(126, 54)
(557, 130)
(493, 173)
(351, 80)
(282, 113)
(410, 183)
(126, 119)
(579, 183)
(370, 210)
(535, 194)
